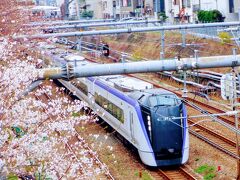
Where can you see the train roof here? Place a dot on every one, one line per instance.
(126, 83)
(143, 95)
(73, 57)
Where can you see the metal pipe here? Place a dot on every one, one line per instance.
(68, 72)
(130, 30)
(68, 22)
(103, 24)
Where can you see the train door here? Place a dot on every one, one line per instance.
(131, 126)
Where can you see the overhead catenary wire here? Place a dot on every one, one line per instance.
(128, 30)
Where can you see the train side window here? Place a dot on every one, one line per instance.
(83, 87)
(97, 99)
(115, 108)
(110, 107)
(120, 115)
(104, 103)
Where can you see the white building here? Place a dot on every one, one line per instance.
(179, 10)
(186, 10)
(59, 2)
(229, 8)
(73, 10)
(108, 10)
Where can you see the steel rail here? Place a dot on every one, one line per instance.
(171, 174)
(214, 144)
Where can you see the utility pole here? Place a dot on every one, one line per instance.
(141, 8)
(183, 32)
(162, 45)
(66, 8)
(156, 9)
(114, 9)
(234, 107)
(196, 57)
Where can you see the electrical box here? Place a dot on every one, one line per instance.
(227, 87)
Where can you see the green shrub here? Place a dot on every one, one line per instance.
(162, 16)
(210, 16)
(207, 171)
(209, 176)
(87, 14)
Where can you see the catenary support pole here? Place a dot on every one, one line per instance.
(162, 45)
(79, 44)
(234, 107)
(183, 31)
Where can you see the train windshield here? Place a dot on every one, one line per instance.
(164, 100)
(167, 133)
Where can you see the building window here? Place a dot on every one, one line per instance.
(188, 3)
(176, 2)
(126, 3)
(129, 3)
(104, 5)
(110, 107)
(231, 6)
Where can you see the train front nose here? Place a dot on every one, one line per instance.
(167, 135)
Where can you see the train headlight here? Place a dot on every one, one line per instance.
(171, 150)
(149, 123)
(148, 118)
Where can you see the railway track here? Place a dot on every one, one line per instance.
(215, 139)
(179, 174)
(73, 147)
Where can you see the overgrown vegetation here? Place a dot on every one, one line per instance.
(210, 16)
(87, 14)
(137, 55)
(225, 37)
(12, 176)
(143, 175)
(162, 16)
(208, 172)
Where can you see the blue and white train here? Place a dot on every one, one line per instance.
(142, 114)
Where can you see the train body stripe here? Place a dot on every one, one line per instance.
(127, 99)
